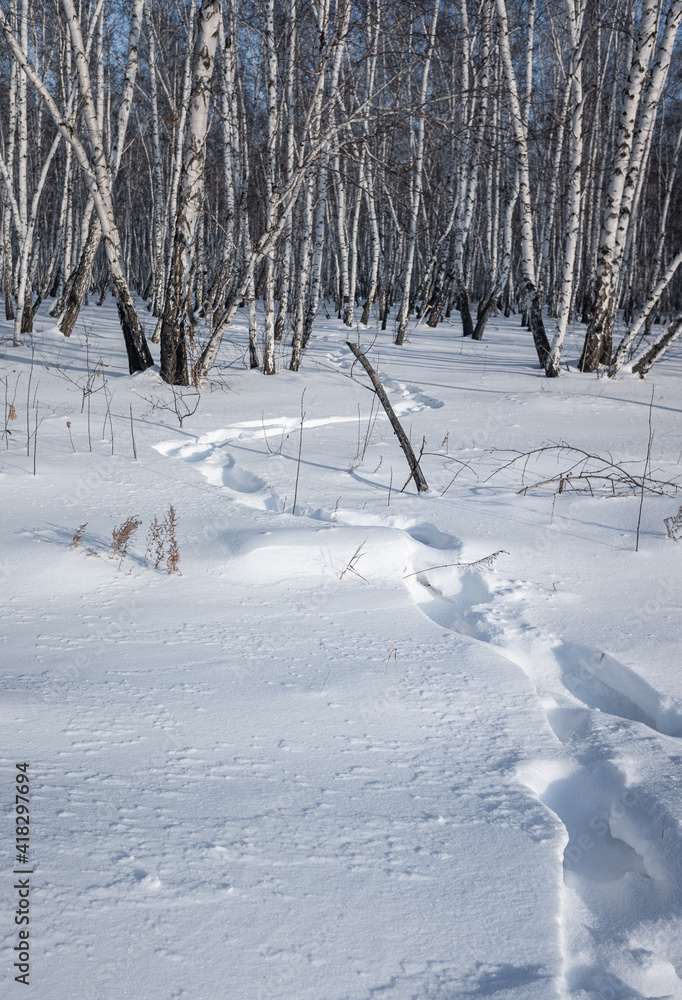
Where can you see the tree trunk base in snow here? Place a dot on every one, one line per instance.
(485, 310)
(537, 328)
(173, 350)
(465, 313)
(139, 356)
(27, 315)
(598, 339)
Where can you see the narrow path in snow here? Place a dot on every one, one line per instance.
(622, 858)
(624, 844)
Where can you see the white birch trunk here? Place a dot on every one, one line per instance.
(518, 122)
(91, 230)
(177, 306)
(642, 316)
(652, 352)
(270, 177)
(287, 248)
(417, 181)
(576, 10)
(597, 347)
(159, 268)
(97, 179)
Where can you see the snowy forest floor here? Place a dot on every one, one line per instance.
(314, 766)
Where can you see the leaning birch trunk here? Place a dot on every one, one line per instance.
(518, 120)
(641, 145)
(574, 193)
(97, 179)
(80, 280)
(643, 315)
(24, 296)
(598, 337)
(643, 362)
(418, 180)
(177, 307)
(663, 222)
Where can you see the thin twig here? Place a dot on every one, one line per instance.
(485, 563)
(350, 567)
(300, 445)
(132, 432)
(267, 443)
(28, 403)
(646, 467)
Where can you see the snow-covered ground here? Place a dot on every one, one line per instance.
(314, 766)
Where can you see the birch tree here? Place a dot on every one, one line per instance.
(96, 174)
(597, 347)
(178, 321)
(519, 129)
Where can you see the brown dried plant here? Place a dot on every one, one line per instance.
(673, 526)
(121, 536)
(156, 539)
(162, 543)
(78, 536)
(173, 557)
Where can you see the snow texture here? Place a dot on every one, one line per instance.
(331, 761)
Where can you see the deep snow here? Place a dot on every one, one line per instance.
(270, 778)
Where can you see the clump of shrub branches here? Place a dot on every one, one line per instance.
(587, 472)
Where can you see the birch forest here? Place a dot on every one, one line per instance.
(381, 160)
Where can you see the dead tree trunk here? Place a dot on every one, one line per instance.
(412, 460)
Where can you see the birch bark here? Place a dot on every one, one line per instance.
(519, 128)
(597, 346)
(576, 12)
(177, 314)
(80, 280)
(417, 180)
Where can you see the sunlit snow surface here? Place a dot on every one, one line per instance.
(326, 762)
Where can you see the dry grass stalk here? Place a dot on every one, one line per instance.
(162, 543)
(173, 550)
(673, 526)
(121, 536)
(350, 567)
(485, 563)
(77, 538)
(156, 543)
